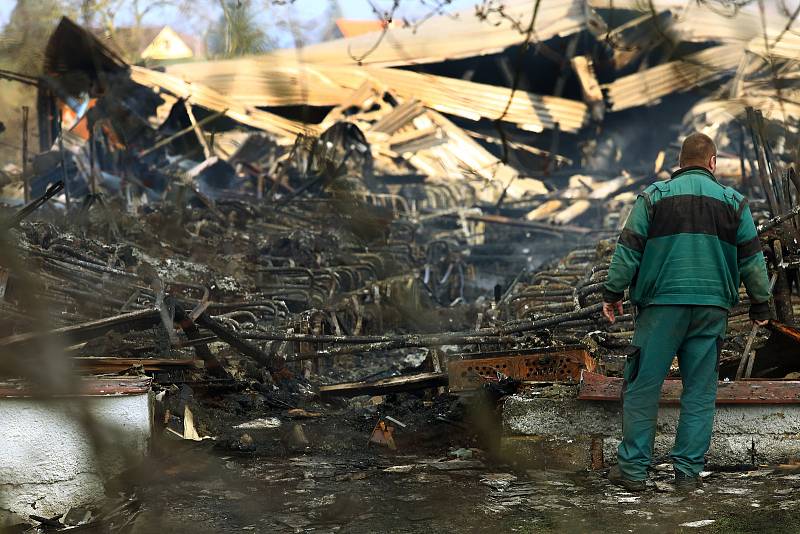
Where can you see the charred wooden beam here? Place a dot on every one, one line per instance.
(781, 293)
(201, 348)
(755, 122)
(237, 343)
(486, 335)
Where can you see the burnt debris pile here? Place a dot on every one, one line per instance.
(266, 237)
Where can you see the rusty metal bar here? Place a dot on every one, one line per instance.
(597, 387)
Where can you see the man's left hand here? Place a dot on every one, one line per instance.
(609, 309)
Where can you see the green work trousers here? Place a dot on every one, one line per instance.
(695, 335)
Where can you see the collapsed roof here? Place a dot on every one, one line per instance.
(444, 127)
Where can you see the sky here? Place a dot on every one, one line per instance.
(310, 13)
(300, 11)
(306, 10)
(361, 8)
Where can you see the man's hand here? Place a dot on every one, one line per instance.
(757, 323)
(609, 308)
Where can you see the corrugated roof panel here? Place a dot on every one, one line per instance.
(468, 99)
(254, 85)
(676, 76)
(780, 44)
(698, 22)
(722, 111)
(200, 95)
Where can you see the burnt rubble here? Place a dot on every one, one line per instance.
(381, 276)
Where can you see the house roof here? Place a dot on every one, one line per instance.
(352, 27)
(167, 45)
(153, 42)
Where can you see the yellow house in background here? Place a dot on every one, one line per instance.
(166, 46)
(153, 44)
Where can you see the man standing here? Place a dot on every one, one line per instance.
(686, 246)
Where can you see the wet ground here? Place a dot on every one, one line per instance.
(379, 491)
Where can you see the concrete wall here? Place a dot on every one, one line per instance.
(47, 461)
(742, 432)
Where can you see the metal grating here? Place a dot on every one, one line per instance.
(559, 365)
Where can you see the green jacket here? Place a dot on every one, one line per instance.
(689, 240)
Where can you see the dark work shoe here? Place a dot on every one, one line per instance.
(684, 482)
(616, 477)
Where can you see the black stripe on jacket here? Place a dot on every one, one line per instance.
(694, 214)
(748, 248)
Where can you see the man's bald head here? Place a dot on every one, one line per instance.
(698, 149)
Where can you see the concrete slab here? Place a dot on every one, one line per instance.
(48, 462)
(743, 433)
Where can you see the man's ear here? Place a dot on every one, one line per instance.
(712, 163)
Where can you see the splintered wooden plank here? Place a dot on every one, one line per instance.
(595, 386)
(383, 387)
(582, 66)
